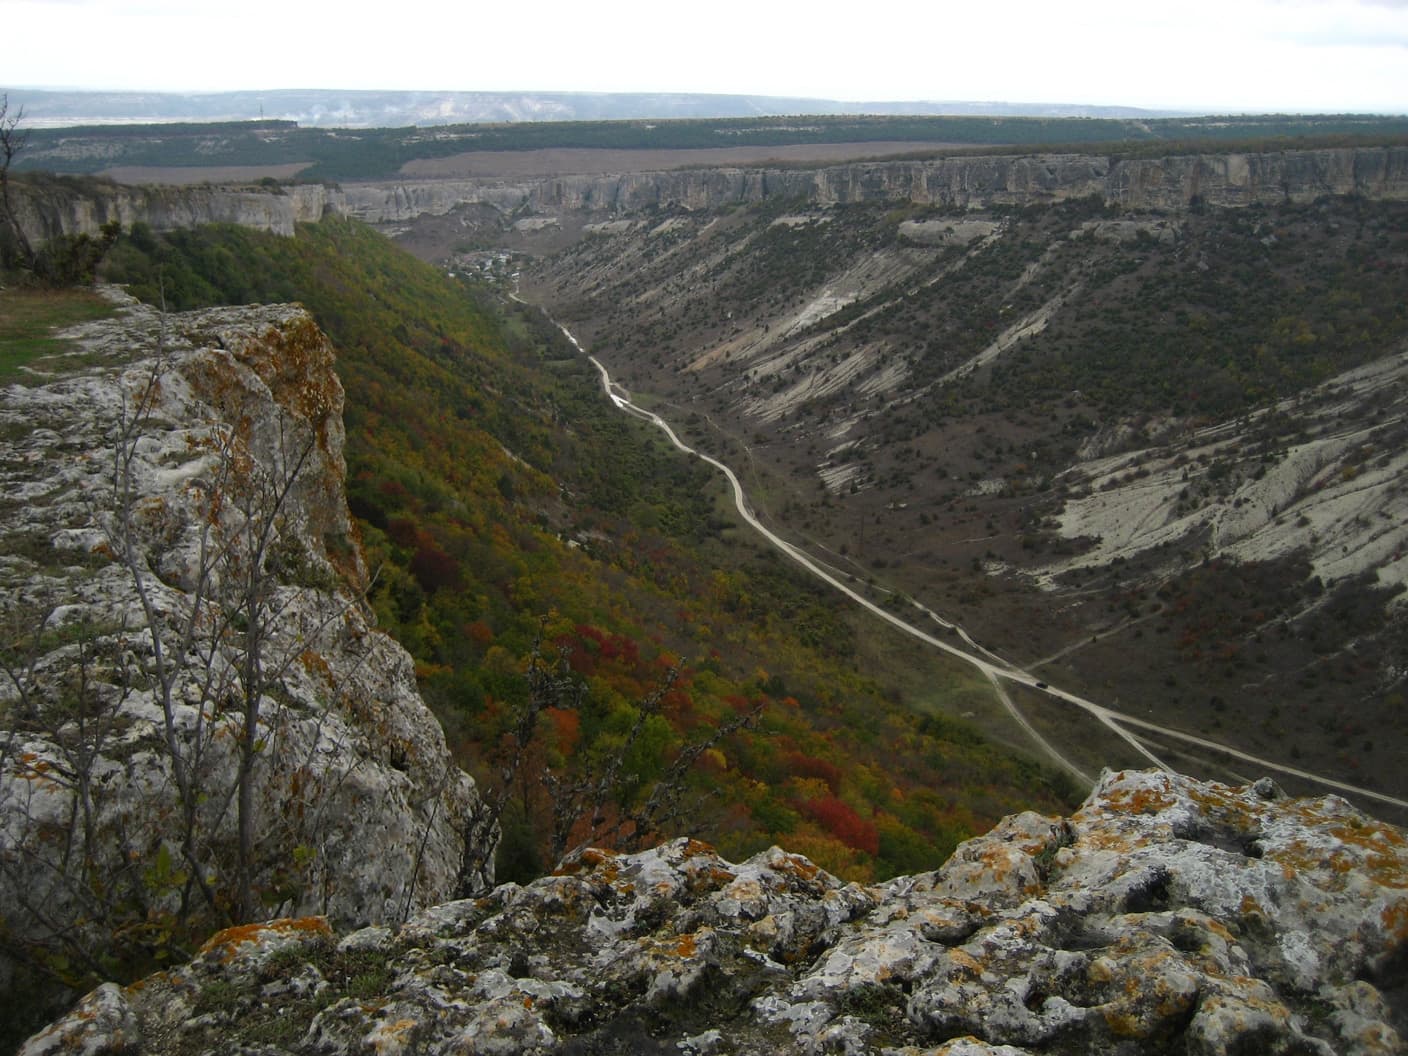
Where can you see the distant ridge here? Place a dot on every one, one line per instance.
(371, 109)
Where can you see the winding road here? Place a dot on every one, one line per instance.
(996, 670)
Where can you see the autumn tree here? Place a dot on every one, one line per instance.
(598, 798)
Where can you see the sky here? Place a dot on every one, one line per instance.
(1205, 55)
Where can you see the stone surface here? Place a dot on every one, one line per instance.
(140, 484)
(1165, 916)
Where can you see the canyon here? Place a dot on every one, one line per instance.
(897, 358)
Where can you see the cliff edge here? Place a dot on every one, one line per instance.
(198, 722)
(1164, 916)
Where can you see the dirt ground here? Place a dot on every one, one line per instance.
(184, 175)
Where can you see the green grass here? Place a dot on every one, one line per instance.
(29, 318)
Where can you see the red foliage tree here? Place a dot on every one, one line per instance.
(809, 766)
(837, 818)
(403, 531)
(433, 568)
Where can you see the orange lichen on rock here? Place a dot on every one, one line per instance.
(965, 964)
(1121, 1023)
(797, 866)
(315, 664)
(1141, 799)
(1252, 910)
(1340, 850)
(226, 944)
(395, 1037)
(588, 859)
(1394, 918)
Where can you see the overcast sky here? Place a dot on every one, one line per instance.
(1209, 55)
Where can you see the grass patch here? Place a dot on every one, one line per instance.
(28, 319)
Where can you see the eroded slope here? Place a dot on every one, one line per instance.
(1061, 422)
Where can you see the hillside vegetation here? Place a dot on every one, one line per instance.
(511, 512)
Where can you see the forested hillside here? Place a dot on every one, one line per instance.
(510, 513)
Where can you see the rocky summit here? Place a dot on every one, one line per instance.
(1164, 916)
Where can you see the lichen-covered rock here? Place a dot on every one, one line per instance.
(1165, 916)
(177, 557)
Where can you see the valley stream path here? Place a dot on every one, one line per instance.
(1135, 732)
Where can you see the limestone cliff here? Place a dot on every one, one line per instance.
(1165, 916)
(1169, 183)
(72, 206)
(185, 648)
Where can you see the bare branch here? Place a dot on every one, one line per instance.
(12, 143)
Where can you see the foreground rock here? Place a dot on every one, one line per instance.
(1166, 915)
(178, 567)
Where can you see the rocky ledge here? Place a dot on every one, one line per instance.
(1165, 916)
(198, 722)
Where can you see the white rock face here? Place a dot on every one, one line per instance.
(1165, 916)
(1169, 183)
(200, 491)
(63, 210)
(1335, 494)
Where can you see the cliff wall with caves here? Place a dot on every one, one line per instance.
(1164, 916)
(179, 570)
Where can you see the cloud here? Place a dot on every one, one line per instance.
(1199, 54)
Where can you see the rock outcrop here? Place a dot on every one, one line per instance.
(179, 567)
(1165, 916)
(51, 206)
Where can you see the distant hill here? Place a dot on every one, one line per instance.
(328, 108)
(279, 148)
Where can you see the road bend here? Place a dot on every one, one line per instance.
(993, 667)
